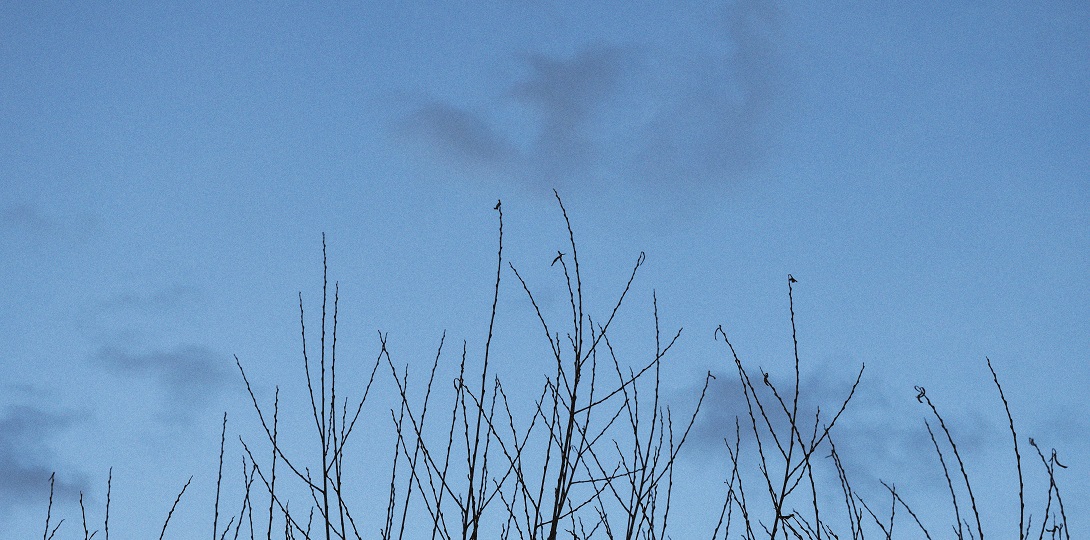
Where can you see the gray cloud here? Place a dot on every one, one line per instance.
(159, 307)
(26, 459)
(880, 436)
(694, 114)
(24, 218)
(189, 375)
(564, 97)
(566, 93)
(726, 401)
(715, 423)
(163, 299)
(32, 224)
(458, 134)
(716, 122)
(566, 90)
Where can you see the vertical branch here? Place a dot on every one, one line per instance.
(339, 441)
(1050, 467)
(578, 282)
(778, 499)
(922, 396)
(399, 421)
(1022, 530)
(795, 343)
(419, 441)
(47, 535)
(476, 506)
(272, 472)
(109, 488)
(219, 480)
(323, 424)
(83, 514)
(946, 472)
(173, 507)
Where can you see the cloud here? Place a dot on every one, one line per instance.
(150, 309)
(562, 96)
(458, 134)
(676, 115)
(876, 437)
(716, 119)
(189, 376)
(163, 299)
(725, 402)
(24, 218)
(44, 235)
(567, 89)
(26, 458)
(565, 93)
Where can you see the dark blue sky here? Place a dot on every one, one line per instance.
(167, 171)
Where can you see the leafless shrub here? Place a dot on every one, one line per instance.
(595, 458)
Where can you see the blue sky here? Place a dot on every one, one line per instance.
(168, 170)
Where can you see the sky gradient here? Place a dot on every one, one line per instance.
(167, 171)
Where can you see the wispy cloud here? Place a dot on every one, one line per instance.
(715, 121)
(160, 306)
(24, 218)
(662, 119)
(875, 439)
(458, 134)
(189, 376)
(163, 299)
(726, 401)
(563, 98)
(26, 459)
(44, 235)
(565, 92)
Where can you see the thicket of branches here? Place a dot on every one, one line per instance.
(595, 458)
